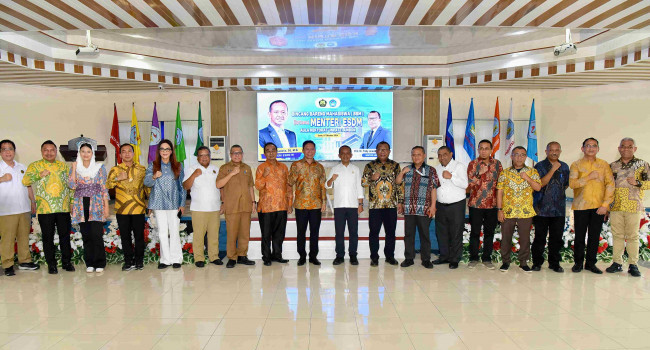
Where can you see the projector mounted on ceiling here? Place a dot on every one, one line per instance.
(89, 49)
(568, 48)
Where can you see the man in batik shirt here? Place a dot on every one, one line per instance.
(631, 179)
(272, 181)
(385, 201)
(550, 206)
(483, 174)
(308, 176)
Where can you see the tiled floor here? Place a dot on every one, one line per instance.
(345, 307)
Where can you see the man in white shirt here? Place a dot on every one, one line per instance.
(345, 178)
(201, 179)
(450, 205)
(16, 207)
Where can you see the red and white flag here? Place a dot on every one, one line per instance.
(115, 136)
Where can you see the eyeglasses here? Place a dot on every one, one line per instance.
(237, 153)
(591, 146)
(6, 149)
(165, 150)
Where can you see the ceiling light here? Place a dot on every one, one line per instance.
(136, 36)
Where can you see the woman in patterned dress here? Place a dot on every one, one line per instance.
(90, 207)
(165, 177)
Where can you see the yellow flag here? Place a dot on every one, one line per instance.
(134, 139)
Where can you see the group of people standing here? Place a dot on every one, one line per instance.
(517, 197)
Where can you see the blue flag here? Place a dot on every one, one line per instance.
(532, 135)
(470, 134)
(449, 135)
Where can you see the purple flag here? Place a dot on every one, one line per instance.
(155, 135)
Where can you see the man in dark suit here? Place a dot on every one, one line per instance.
(275, 132)
(376, 134)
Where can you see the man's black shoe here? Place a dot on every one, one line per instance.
(615, 267)
(391, 261)
(453, 265)
(374, 262)
(28, 266)
(354, 260)
(231, 263)
(338, 261)
(200, 264)
(9, 271)
(594, 269)
(314, 261)
(557, 269)
(427, 264)
(139, 266)
(440, 262)
(576, 268)
(407, 263)
(217, 262)
(536, 267)
(633, 270)
(244, 261)
(267, 262)
(280, 260)
(68, 267)
(52, 270)
(504, 267)
(301, 261)
(176, 266)
(128, 267)
(525, 268)
(162, 266)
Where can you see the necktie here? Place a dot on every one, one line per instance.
(370, 138)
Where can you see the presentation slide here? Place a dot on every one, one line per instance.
(321, 37)
(331, 119)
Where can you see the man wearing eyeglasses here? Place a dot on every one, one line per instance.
(206, 204)
(550, 206)
(376, 134)
(16, 207)
(593, 191)
(631, 180)
(236, 180)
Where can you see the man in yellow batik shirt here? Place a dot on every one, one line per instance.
(631, 179)
(127, 180)
(49, 180)
(593, 191)
(515, 207)
(308, 176)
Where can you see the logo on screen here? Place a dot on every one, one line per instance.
(328, 102)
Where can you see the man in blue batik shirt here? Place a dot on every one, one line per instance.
(550, 206)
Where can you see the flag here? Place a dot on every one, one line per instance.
(470, 134)
(449, 135)
(134, 139)
(532, 135)
(510, 134)
(199, 138)
(180, 142)
(154, 138)
(496, 131)
(115, 136)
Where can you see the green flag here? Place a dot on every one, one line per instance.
(199, 139)
(180, 142)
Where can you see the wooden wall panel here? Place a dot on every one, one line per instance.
(431, 112)
(218, 113)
